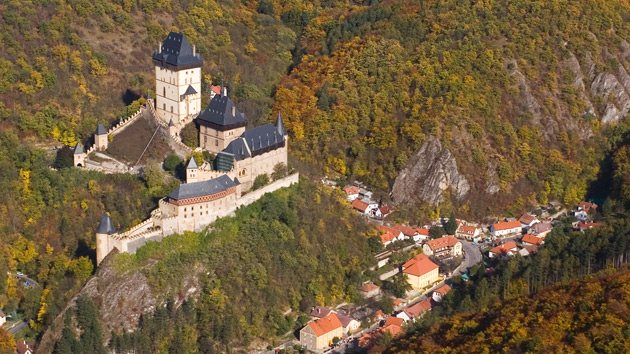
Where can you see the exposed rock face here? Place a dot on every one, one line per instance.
(607, 85)
(122, 299)
(430, 172)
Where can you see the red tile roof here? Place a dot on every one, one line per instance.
(588, 225)
(216, 89)
(532, 240)
(443, 290)
(369, 286)
(418, 309)
(423, 231)
(406, 230)
(506, 225)
(387, 237)
(504, 248)
(527, 219)
(320, 311)
(442, 242)
(359, 205)
(325, 325)
(351, 190)
(419, 265)
(587, 206)
(466, 229)
(385, 209)
(393, 326)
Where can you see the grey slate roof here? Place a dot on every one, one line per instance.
(170, 123)
(238, 148)
(100, 129)
(257, 141)
(176, 51)
(78, 149)
(105, 225)
(280, 125)
(190, 91)
(192, 164)
(203, 188)
(221, 113)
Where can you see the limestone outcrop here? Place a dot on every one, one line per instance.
(429, 173)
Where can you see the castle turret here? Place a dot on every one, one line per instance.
(191, 171)
(172, 129)
(100, 138)
(177, 79)
(79, 155)
(103, 231)
(280, 126)
(220, 123)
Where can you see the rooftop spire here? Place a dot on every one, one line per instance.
(192, 164)
(280, 125)
(105, 225)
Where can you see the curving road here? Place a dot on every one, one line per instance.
(472, 256)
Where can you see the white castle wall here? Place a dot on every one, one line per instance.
(166, 221)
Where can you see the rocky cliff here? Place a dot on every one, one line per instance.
(429, 173)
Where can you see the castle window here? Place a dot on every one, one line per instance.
(200, 213)
(164, 91)
(164, 106)
(184, 209)
(216, 143)
(185, 216)
(171, 109)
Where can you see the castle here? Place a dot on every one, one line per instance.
(212, 190)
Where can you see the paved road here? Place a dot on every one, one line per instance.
(472, 256)
(28, 282)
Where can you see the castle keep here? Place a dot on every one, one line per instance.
(212, 190)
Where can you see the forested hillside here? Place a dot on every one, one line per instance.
(243, 281)
(520, 92)
(589, 316)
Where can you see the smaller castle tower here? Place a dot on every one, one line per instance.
(100, 138)
(192, 170)
(220, 123)
(104, 229)
(172, 129)
(79, 156)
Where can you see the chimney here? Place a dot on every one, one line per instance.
(233, 111)
(225, 91)
(194, 50)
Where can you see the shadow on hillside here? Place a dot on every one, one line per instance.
(129, 96)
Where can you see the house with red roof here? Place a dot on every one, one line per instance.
(367, 208)
(439, 293)
(532, 240)
(352, 192)
(583, 225)
(445, 246)
(467, 232)
(528, 220)
(320, 311)
(389, 234)
(369, 290)
(422, 234)
(415, 311)
(507, 249)
(504, 228)
(393, 326)
(319, 334)
(420, 271)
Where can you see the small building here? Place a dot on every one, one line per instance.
(506, 249)
(530, 239)
(349, 324)
(408, 232)
(541, 230)
(445, 246)
(21, 347)
(3, 318)
(467, 232)
(352, 192)
(587, 207)
(422, 234)
(389, 234)
(439, 293)
(415, 311)
(369, 290)
(319, 334)
(385, 210)
(504, 228)
(320, 311)
(583, 225)
(393, 326)
(421, 271)
(366, 208)
(528, 220)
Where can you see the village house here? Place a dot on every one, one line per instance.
(3, 318)
(320, 312)
(532, 240)
(385, 210)
(21, 347)
(505, 228)
(408, 232)
(415, 311)
(541, 230)
(369, 290)
(422, 234)
(588, 207)
(389, 234)
(420, 271)
(468, 232)
(369, 208)
(439, 293)
(584, 225)
(528, 220)
(349, 324)
(319, 334)
(508, 249)
(352, 192)
(393, 326)
(445, 246)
